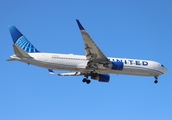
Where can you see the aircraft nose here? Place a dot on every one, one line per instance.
(165, 70)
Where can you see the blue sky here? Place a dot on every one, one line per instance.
(121, 28)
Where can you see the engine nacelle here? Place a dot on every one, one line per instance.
(115, 65)
(101, 77)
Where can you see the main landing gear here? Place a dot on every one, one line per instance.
(156, 80)
(86, 80)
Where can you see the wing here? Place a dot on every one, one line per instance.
(93, 53)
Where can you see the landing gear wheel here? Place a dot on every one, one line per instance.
(84, 80)
(88, 81)
(156, 81)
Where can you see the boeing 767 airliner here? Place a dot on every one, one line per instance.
(94, 64)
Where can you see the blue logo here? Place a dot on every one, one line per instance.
(26, 45)
(131, 62)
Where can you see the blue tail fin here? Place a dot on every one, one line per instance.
(20, 40)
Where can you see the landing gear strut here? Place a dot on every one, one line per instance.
(86, 80)
(156, 80)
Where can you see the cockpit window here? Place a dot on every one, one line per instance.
(162, 65)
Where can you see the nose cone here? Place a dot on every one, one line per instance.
(165, 70)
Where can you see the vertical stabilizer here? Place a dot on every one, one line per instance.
(20, 40)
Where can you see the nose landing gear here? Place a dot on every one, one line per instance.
(156, 80)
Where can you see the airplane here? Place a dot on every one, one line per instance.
(94, 64)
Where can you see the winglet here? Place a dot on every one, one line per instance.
(51, 71)
(79, 25)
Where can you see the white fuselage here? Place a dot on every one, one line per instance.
(72, 62)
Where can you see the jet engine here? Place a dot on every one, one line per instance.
(101, 77)
(115, 65)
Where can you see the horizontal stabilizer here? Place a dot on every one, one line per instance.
(20, 52)
(71, 74)
(11, 59)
